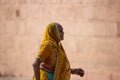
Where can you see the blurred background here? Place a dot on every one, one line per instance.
(92, 36)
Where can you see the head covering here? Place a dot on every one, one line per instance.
(52, 32)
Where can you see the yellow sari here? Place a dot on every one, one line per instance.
(62, 67)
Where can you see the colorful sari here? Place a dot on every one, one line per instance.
(62, 67)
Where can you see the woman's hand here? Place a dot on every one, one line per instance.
(78, 71)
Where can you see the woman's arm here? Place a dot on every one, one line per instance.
(36, 68)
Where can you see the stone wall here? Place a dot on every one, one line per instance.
(92, 31)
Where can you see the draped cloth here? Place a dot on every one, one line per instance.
(62, 66)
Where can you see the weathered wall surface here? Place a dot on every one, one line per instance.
(92, 35)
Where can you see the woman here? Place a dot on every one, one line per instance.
(51, 62)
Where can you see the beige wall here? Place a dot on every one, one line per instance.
(92, 31)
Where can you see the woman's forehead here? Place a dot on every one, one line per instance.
(60, 28)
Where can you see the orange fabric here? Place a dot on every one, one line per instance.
(45, 51)
(43, 75)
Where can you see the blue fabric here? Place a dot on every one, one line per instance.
(50, 75)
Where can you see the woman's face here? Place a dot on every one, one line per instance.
(61, 32)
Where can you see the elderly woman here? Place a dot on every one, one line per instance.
(51, 62)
